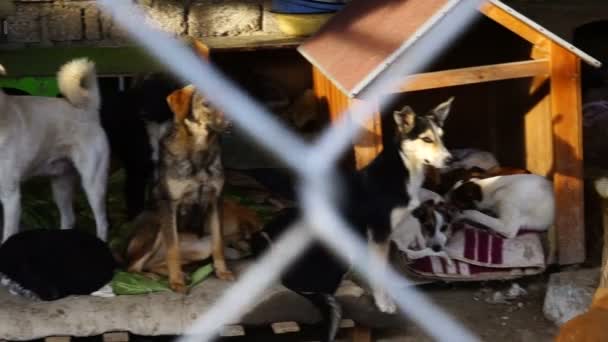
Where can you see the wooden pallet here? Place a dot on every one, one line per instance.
(358, 333)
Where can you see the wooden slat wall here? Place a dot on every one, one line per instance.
(568, 165)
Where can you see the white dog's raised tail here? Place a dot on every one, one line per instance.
(78, 83)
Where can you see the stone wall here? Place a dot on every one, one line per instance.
(80, 22)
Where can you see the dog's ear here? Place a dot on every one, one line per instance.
(405, 119)
(469, 192)
(179, 102)
(442, 110)
(422, 211)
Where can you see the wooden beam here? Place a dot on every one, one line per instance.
(479, 74)
(604, 269)
(58, 339)
(369, 143)
(285, 327)
(513, 24)
(362, 334)
(568, 162)
(118, 336)
(232, 330)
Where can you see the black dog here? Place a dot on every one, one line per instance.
(131, 120)
(373, 201)
(52, 264)
(315, 275)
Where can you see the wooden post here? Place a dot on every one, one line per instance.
(362, 334)
(568, 162)
(119, 336)
(369, 143)
(58, 339)
(604, 269)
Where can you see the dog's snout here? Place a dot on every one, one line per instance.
(436, 248)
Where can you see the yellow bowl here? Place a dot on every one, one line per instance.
(301, 24)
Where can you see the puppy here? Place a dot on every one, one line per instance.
(191, 180)
(425, 232)
(57, 137)
(146, 251)
(519, 201)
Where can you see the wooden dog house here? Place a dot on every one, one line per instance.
(517, 89)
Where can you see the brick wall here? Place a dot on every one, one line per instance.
(80, 22)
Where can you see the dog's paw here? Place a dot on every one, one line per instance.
(225, 274)
(178, 287)
(385, 303)
(446, 257)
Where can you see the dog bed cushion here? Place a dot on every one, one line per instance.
(478, 254)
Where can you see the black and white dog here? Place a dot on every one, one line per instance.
(426, 231)
(374, 200)
(377, 199)
(519, 201)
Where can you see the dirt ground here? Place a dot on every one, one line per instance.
(520, 319)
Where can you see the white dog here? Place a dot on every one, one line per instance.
(56, 137)
(422, 234)
(519, 201)
(468, 158)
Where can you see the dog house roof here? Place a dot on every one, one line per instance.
(360, 43)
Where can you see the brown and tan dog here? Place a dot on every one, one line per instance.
(146, 251)
(191, 180)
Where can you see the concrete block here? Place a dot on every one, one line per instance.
(111, 32)
(24, 26)
(65, 23)
(167, 15)
(569, 294)
(269, 23)
(228, 18)
(92, 23)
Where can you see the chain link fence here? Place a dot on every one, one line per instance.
(313, 164)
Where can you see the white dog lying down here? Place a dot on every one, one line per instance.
(468, 158)
(520, 201)
(57, 137)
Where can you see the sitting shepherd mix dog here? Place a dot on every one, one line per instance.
(191, 180)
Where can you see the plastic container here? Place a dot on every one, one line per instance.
(301, 24)
(305, 6)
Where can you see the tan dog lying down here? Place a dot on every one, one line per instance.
(146, 251)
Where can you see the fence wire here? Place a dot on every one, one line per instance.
(314, 164)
